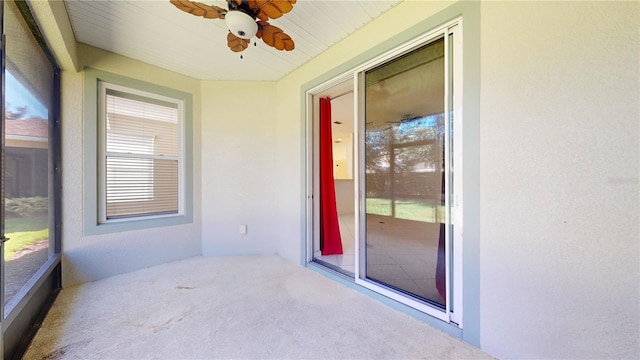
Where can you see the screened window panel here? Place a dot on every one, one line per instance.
(142, 156)
(27, 161)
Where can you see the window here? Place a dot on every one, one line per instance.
(142, 154)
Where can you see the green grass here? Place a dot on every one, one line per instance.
(416, 210)
(14, 224)
(23, 232)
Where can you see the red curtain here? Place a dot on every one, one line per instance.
(330, 241)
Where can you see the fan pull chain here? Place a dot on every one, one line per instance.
(254, 44)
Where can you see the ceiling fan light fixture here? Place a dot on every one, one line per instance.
(241, 24)
(246, 19)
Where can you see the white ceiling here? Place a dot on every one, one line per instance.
(158, 33)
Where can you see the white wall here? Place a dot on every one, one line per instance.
(240, 168)
(559, 171)
(88, 258)
(345, 197)
(559, 179)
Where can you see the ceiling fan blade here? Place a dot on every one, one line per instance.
(200, 9)
(235, 43)
(274, 36)
(271, 9)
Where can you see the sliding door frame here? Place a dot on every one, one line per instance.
(453, 258)
(3, 237)
(453, 104)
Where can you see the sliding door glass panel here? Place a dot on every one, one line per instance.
(404, 174)
(27, 170)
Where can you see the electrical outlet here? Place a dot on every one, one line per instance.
(243, 229)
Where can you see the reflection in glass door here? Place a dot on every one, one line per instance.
(404, 174)
(30, 211)
(28, 92)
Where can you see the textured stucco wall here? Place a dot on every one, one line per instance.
(239, 167)
(559, 179)
(88, 258)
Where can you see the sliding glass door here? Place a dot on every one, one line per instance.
(407, 195)
(31, 170)
(404, 173)
(408, 122)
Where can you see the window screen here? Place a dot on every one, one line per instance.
(141, 154)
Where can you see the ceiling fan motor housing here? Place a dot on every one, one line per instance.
(241, 24)
(241, 20)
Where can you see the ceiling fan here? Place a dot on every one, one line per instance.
(404, 119)
(246, 19)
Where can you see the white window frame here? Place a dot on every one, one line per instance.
(102, 152)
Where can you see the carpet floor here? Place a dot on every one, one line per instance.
(244, 307)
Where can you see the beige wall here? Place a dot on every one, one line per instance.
(87, 258)
(240, 169)
(559, 179)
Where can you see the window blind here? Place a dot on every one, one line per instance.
(142, 155)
